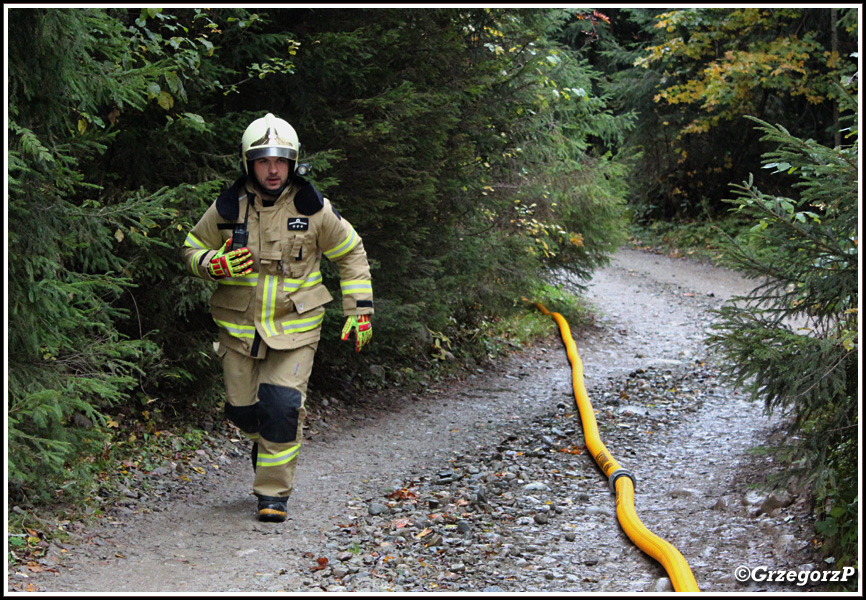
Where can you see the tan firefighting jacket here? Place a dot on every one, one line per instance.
(281, 303)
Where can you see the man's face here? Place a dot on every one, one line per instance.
(271, 172)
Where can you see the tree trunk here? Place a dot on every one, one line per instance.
(834, 47)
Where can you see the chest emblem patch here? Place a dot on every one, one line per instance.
(299, 224)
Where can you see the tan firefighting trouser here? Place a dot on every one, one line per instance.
(266, 401)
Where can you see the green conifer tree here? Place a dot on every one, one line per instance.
(794, 340)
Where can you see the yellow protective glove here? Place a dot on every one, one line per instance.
(232, 263)
(362, 327)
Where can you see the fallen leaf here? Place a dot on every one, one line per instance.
(322, 563)
(427, 531)
(402, 494)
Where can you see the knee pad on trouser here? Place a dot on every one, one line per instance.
(279, 409)
(245, 417)
(279, 424)
(276, 415)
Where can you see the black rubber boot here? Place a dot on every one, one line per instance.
(273, 509)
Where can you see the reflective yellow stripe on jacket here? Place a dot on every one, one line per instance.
(350, 242)
(239, 331)
(293, 285)
(289, 285)
(269, 304)
(249, 280)
(193, 242)
(357, 286)
(301, 325)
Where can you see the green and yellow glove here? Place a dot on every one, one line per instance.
(362, 327)
(230, 263)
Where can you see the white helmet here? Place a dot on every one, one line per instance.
(269, 136)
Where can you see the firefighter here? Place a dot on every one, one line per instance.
(262, 242)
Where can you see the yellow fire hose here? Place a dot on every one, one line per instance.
(621, 481)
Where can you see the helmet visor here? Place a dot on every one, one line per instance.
(266, 151)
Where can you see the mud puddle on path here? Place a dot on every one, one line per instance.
(688, 450)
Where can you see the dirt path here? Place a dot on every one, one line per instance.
(688, 444)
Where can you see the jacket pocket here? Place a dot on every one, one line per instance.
(307, 300)
(234, 298)
(298, 252)
(229, 308)
(272, 238)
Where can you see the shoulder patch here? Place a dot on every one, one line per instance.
(227, 204)
(308, 200)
